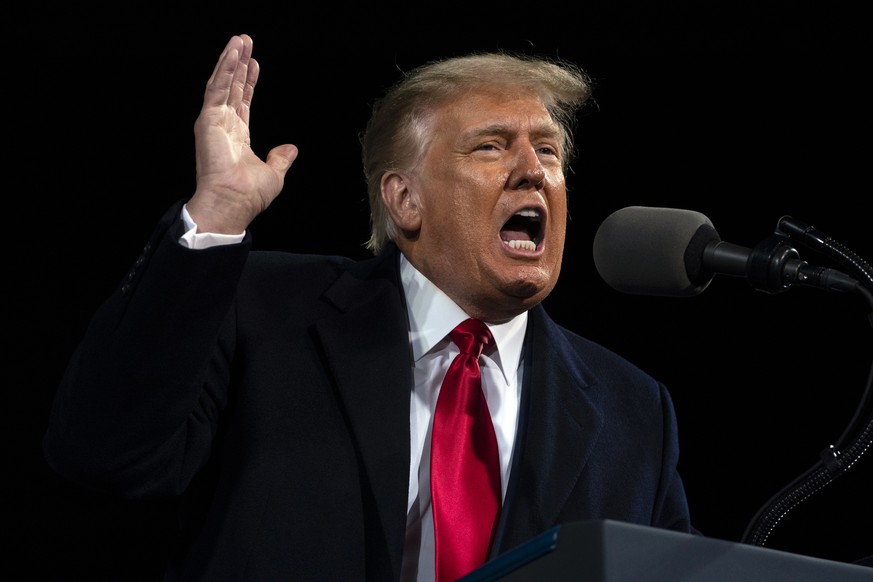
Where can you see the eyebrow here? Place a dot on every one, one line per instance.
(540, 130)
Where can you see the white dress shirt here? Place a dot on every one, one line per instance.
(432, 315)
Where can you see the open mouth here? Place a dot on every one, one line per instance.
(524, 230)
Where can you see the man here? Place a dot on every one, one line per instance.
(290, 398)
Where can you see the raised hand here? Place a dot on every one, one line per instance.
(233, 184)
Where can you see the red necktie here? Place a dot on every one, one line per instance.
(464, 466)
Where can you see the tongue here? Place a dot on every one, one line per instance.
(507, 234)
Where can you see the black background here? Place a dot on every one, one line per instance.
(744, 111)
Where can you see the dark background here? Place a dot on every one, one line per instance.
(744, 111)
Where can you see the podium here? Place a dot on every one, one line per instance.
(612, 551)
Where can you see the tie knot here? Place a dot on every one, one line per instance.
(471, 336)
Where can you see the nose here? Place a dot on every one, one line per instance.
(528, 171)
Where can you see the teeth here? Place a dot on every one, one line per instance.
(529, 213)
(528, 245)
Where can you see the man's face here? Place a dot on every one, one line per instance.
(492, 203)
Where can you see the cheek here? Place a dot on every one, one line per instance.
(467, 209)
(558, 214)
(560, 223)
(461, 201)
(466, 219)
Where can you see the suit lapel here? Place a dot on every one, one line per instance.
(367, 353)
(366, 350)
(558, 429)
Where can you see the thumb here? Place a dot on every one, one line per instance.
(281, 157)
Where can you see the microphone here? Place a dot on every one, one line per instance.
(671, 252)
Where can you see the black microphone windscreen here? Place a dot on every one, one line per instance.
(644, 250)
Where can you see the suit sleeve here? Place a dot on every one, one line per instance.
(138, 405)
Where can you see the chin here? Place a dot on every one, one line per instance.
(530, 283)
(529, 292)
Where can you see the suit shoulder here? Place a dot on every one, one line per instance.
(602, 360)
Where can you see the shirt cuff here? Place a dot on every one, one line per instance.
(204, 240)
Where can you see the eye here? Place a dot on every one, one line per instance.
(487, 147)
(547, 150)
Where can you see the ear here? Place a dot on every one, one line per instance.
(401, 202)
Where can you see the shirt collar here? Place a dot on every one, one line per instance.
(432, 315)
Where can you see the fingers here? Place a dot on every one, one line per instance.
(240, 80)
(233, 79)
(248, 90)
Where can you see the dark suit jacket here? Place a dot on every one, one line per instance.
(272, 390)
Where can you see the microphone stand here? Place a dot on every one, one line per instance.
(857, 437)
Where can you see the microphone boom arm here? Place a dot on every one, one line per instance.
(857, 438)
